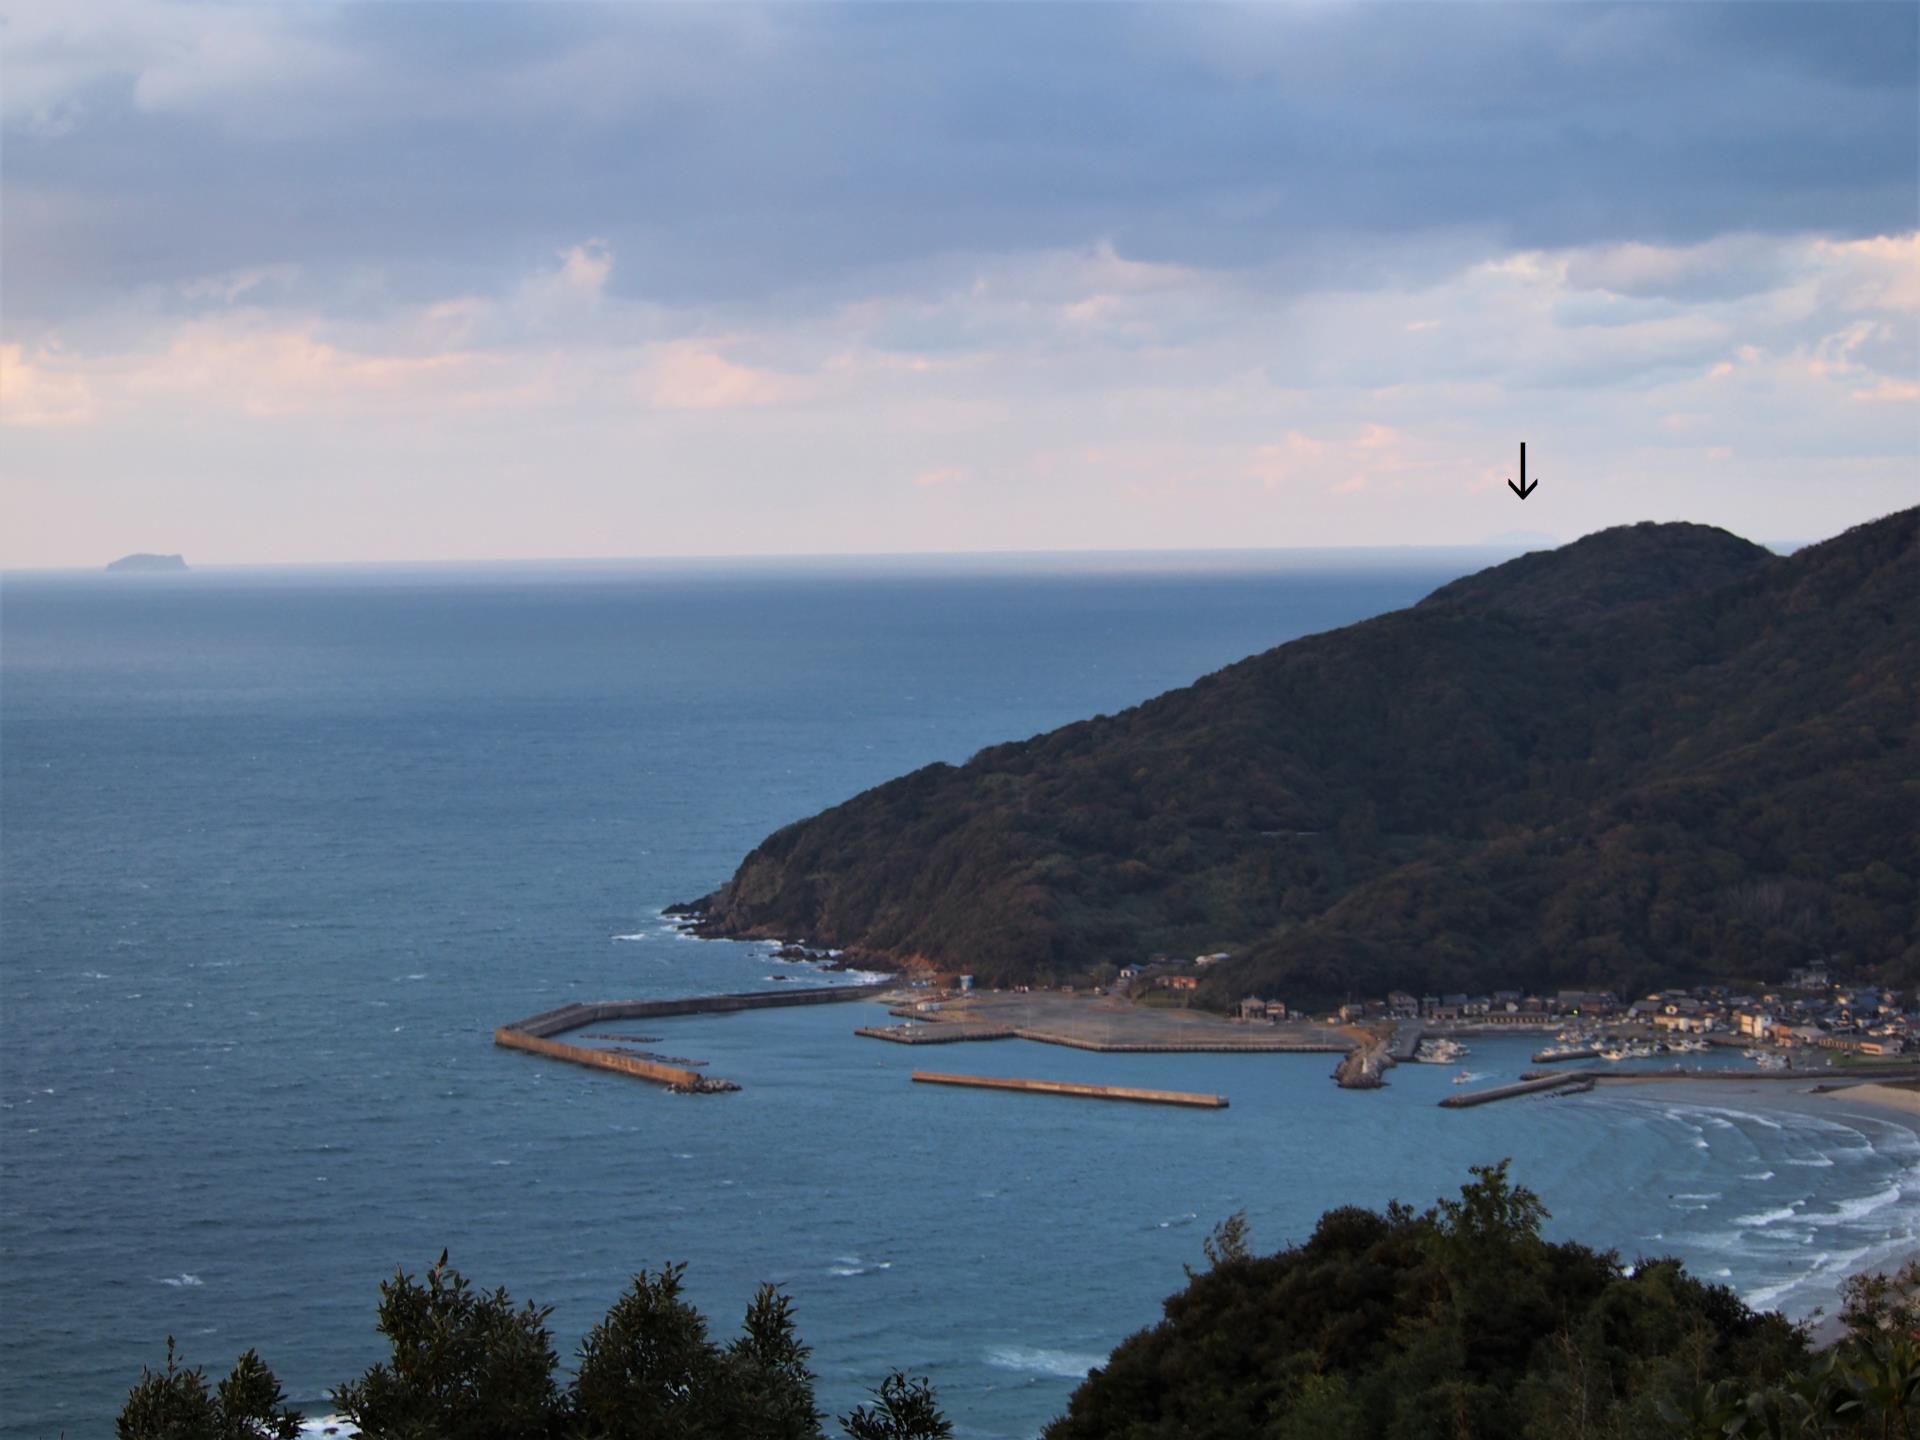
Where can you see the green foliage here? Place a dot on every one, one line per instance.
(1461, 1321)
(175, 1404)
(1659, 754)
(902, 1409)
(463, 1364)
(466, 1365)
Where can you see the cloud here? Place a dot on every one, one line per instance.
(693, 376)
(944, 475)
(39, 393)
(730, 154)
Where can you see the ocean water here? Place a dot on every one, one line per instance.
(278, 850)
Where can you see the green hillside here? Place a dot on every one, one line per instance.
(1659, 753)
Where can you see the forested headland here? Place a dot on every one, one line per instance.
(1659, 755)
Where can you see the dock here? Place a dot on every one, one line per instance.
(571, 1017)
(1083, 1092)
(934, 1034)
(685, 1082)
(947, 1032)
(1549, 1057)
(534, 1034)
(1537, 1086)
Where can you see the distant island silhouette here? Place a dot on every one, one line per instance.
(143, 563)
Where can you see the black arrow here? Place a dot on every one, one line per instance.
(1523, 489)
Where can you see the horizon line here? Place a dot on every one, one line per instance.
(1541, 542)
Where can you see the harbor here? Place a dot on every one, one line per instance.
(1076, 1091)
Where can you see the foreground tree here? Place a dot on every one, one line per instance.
(903, 1408)
(175, 1404)
(463, 1364)
(1457, 1323)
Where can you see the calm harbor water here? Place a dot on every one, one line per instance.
(278, 849)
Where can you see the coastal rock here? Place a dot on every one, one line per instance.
(1364, 1068)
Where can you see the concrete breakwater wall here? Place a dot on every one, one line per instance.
(535, 1033)
(933, 1034)
(1082, 1092)
(1524, 1087)
(670, 1075)
(948, 1033)
(572, 1017)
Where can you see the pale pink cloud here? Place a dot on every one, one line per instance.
(40, 392)
(945, 475)
(691, 376)
(1274, 465)
(290, 371)
(1890, 390)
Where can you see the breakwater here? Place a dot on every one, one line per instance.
(535, 1033)
(674, 1077)
(950, 1032)
(572, 1017)
(1081, 1092)
(934, 1034)
(1524, 1087)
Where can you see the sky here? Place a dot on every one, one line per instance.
(458, 281)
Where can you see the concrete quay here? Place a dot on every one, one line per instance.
(1081, 1092)
(535, 1033)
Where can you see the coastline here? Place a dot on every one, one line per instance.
(1820, 1099)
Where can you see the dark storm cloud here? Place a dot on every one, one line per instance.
(732, 154)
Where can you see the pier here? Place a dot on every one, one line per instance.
(686, 1082)
(1549, 1057)
(934, 1034)
(1082, 1092)
(1536, 1086)
(535, 1033)
(572, 1017)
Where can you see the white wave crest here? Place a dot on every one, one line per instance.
(1034, 1360)
(1769, 1217)
(182, 1281)
(1858, 1208)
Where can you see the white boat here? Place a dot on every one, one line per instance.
(1462, 1078)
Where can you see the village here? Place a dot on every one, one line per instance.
(1812, 1009)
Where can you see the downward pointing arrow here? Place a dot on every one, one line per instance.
(1523, 489)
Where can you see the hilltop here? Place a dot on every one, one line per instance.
(1658, 754)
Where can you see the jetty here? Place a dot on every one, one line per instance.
(1537, 1086)
(573, 1017)
(934, 1034)
(1082, 1092)
(534, 1034)
(1551, 1056)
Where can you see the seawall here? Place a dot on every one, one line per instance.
(1082, 1092)
(572, 1017)
(535, 1033)
(671, 1075)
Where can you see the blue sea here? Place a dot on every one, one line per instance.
(279, 848)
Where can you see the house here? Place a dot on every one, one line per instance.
(1682, 1022)
(1176, 982)
(1252, 1009)
(1754, 1023)
(1351, 1013)
(1402, 1006)
(1809, 977)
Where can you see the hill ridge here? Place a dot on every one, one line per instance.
(1661, 777)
